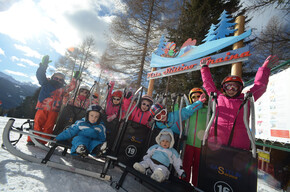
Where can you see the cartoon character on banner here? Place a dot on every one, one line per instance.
(169, 50)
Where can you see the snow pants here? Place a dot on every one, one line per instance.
(191, 163)
(149, 163)
(44, 122)
(82, 140)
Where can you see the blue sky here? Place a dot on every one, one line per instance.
(30, 29)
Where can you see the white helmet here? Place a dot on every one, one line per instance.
(85, 87)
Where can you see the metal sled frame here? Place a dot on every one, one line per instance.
(173, 184)
(8, 144)
(122, 128)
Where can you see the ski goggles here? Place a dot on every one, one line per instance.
(233, 87)
(195, 96)
(84, 91)
(148, 105)
(117, 99)
(160, 115)
(58, 79)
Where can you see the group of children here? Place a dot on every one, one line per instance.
(89, 133)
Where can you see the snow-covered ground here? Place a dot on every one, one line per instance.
(17, 174)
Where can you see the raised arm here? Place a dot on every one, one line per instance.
(262, 77)
(206, 76)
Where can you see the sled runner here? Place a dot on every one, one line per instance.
(227, 168)
(11, 136)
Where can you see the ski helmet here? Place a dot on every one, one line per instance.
(155, 109)
(233, 78)
(147, 97)
(84, 87)
(96, 108)
(117, 94)
(58, 74)
(194, 90)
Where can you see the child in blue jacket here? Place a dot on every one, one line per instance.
(171, 120)
(89, 133)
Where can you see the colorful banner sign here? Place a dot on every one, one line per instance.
(272, 110)
(225, 58)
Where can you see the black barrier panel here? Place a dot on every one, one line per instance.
(224, 168)
(134, 143)
(69, 115)
(112, 129)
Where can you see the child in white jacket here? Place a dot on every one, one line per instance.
(160, 156)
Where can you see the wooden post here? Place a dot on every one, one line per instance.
(151, 84)
(240, 26)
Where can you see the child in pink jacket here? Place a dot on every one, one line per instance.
(229, 100)
(141, 113)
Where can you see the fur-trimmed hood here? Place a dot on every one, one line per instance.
(165, 132)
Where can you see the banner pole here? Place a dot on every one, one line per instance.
(151, 84)
(240, 26)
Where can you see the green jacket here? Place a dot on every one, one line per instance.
(197, 125)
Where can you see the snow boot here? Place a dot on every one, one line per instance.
(30, 143)
(158, 176)
(82, 151)
(100, 149)
(139, 167)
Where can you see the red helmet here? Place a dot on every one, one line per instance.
(117, 94)
(233, 78)
(194, 90)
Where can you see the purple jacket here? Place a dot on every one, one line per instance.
(228, 107)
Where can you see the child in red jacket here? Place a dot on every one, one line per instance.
(49, 99)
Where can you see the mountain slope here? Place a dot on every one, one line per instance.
(13, 92)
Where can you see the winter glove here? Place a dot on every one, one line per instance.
(202, 98)
(151, 122)
(112, 83)
(77, 74)
(128, 94)
(204, 62)
(271, 60)
(45, 61)
(182, 176)
(111, 118)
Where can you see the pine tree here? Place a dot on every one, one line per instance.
(211, 34)
(224, 27)
(161, 46)
(194, 22)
